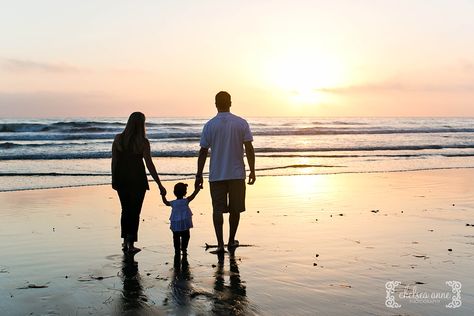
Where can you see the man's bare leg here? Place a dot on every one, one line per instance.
(234, 219)
(218, 219)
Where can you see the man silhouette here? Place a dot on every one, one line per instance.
(226, 135)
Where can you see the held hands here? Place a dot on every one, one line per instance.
(162, 190)
(197, 186)
(163, 195)
(252, 177)
(198, 183)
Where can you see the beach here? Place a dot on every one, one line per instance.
(311, 245)
(355, 118)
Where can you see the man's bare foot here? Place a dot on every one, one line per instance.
(219, 250)
(233, 244)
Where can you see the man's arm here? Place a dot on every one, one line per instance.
(250, 153)
(200, 167)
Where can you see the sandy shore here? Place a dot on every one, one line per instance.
(322, 245)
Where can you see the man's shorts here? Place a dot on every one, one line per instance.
(228, 196)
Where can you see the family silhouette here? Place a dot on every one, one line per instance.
(227, 137)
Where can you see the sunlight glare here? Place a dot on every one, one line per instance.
(310, 185)
(301, 76)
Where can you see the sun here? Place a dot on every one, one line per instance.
(306, 96)
(302, 77)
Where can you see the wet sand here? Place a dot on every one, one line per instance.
(317, 245)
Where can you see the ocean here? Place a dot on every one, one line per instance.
(49, 153)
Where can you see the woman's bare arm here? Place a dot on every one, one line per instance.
(165, 201)
(114, 159)
(151, 167)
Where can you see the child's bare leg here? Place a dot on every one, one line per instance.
(176, 242)
(185, 235)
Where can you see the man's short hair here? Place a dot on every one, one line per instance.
(223, 99)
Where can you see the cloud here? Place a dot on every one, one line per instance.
(364, 88)
(19, 65)
(48, 104)
(398, 87)
(466, 65)
(25, 66)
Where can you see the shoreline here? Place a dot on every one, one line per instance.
(324, 244)
(260, 176)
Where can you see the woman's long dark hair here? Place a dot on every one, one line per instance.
(133, 137)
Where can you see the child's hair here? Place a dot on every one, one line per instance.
(180, 189)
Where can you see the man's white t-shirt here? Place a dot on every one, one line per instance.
(225, 135)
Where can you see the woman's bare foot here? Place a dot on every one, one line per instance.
(133, 249)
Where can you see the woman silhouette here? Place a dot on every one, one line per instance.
(129, 178)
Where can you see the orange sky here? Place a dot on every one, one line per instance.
(276, 58)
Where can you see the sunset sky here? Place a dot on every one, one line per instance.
(276, 58)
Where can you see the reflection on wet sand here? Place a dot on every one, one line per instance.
(133, 300)
(181, 287)
(287, 274)
(231, 298)
(227, 297)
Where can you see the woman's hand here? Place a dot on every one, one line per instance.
(162, 189)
